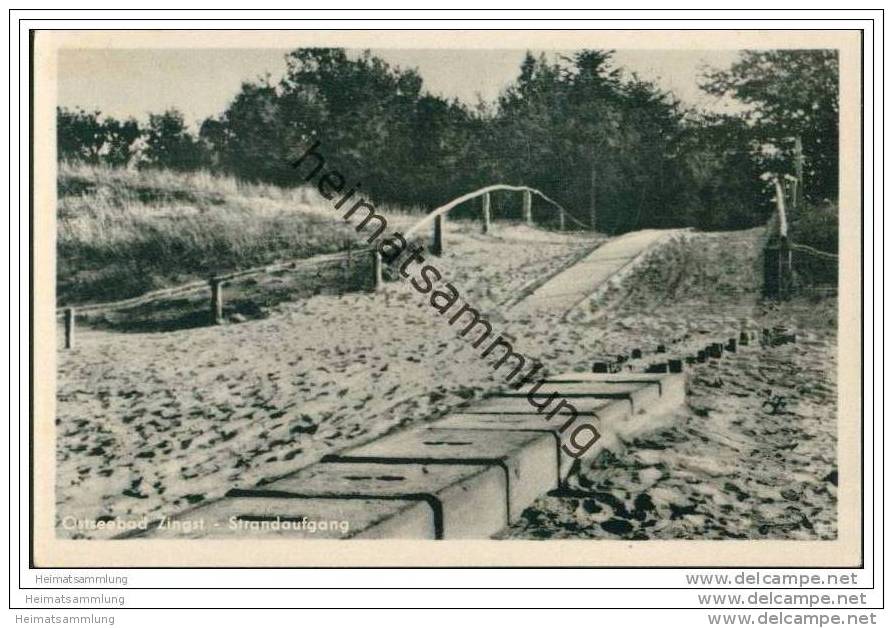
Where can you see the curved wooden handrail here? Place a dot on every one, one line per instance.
(443, 209)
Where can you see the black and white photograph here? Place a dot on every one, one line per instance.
(572, 291)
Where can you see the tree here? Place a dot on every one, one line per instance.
(790, 93)
(599, 142)
(251, 138)
(82, 136)
(718, 162)
(362, 109)
(443, 138)
(169, 144)
(121, 137)
(615, 150)
(596, 112)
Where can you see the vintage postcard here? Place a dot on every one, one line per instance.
(465, 298)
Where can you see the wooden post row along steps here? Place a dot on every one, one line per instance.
(467, 475)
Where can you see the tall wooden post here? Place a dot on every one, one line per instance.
(377, 279)
(346, 271)
(592, 182)
(798, 170)
(778, 270)
(561, 220)
(770, 272)
(527, 208)
(216, 301)
(69, 327)
(485, 210)
(785, 267)
(437, 243)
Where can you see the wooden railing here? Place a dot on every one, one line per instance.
(214, 285)
(436, 216)
(778, 270)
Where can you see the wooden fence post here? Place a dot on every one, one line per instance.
(771, 257)
(561, 220)
(592, 183)
(485, 209)
(377, 279)
(798, 170)
(69, 327)
(527, 208)
(345, 270)
(777, 266)
(216, 301)
(437, 244)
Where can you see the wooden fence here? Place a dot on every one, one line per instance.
(778, 258)
(321, 269)
(372, 269)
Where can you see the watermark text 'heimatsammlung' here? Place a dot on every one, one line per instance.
(443, 296)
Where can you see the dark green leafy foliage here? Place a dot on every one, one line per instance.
(790, 93)
(169, 144)
(616, 150)
(82, 136)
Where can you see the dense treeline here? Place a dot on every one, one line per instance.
(617, 151)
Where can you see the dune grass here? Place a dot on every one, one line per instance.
(121, 233)
(816, 227)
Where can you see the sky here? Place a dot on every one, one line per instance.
(201, 82)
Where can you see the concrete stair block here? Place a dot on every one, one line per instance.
(639, 394)
(529, 460)
(671, 386)
(520, 405)
(605, 412)
(513, 422)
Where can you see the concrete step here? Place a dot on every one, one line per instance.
(528, 460)
(646, 407)
(511, 423)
